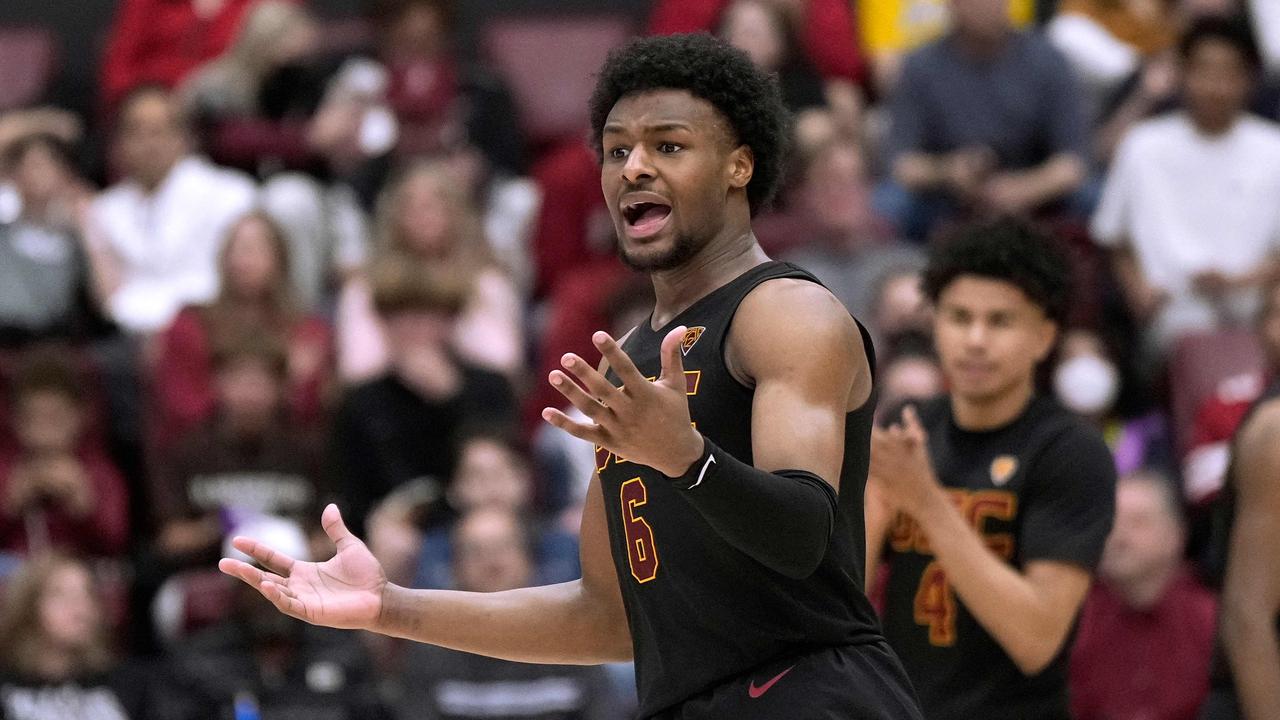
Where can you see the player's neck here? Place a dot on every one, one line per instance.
(718, 263)
(994, 411)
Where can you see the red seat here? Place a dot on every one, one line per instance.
(28, 60)
(550, 66)
(1199, 363)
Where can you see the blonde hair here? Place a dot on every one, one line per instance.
(467, 250)
(20, 628)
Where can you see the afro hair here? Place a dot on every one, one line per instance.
(1008, 250)
(709, 69)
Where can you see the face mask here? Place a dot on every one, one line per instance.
(1086, 384)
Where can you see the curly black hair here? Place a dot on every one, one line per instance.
(718, 73)
(1008, 250)
(1231, 31)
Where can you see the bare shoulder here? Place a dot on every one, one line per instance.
(794, 323)
(1259, 452)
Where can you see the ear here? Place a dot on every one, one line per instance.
(740, 167)
(1048, 337)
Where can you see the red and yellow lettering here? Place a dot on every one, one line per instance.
(993, 505)
(935, 606)
(642, 554)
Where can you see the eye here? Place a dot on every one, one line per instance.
(618, 153)
(667, 148)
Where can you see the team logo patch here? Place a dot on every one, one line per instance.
(1003, 468)
(690, 339)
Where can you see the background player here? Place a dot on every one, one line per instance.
(737, 572)
(1004, 499)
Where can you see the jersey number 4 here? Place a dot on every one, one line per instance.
(641, 552)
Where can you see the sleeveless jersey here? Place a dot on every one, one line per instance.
(700, 611)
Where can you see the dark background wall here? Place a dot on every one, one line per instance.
(82, 26)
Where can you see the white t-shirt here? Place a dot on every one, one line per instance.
(1188, 203)
(168, 242)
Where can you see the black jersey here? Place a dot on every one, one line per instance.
(701, 611)
(1040, 488)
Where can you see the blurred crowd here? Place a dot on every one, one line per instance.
(291, 261)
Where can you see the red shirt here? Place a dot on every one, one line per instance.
(160, 41)
(184, 383)
(828, 33)
(104, 532)
(1143, 664)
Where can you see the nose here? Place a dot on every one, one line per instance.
(637, 168)
(975, 334)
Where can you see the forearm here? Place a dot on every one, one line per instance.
(1253, 650)
(1058, 176)
(560, 624)
(919, 171)
(998, 596)
(782, 520)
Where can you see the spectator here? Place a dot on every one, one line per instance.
(59, 488)
(273, 35)
(1188, 211)
(986, 119)
(1090, 380)
(256, 297)
(491, 474)
(246, 458)
(161, 41)
(55, 655)
(889, 29)
(909, 370)
(44, 277)
(1205, 466)
(404, 424)
(154, 237)
(257, 663)
(899, 306)
(426, 220)
(846, 244)
(1146, 630)
(762, 29)
(492, 554)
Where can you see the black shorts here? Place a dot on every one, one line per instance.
(853, 682)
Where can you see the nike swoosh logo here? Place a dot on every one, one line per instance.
(710, 460)
(754, 692)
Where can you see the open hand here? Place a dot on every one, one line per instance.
(901, 472)
(345, 591)
(644, 422)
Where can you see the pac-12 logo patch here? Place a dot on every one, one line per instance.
(690, 339)
(1003, 468)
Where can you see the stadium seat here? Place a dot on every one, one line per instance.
(28, 61)
(1198, 364)
(549, 64)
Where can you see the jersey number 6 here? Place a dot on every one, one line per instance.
(641, 552)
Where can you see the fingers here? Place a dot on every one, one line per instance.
(912, 426)
(672, 359)
(592, 433)
(618, 360)
(590, 406)
(336, 529)
(276, 562)
(596, 383)
(284, 600)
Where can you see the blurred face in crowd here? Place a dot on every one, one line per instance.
(48, 421)
(990, 336)
(424, 218)
(755, 28)
(151, 138)
(1147, 537)
(417, 33)
(252, 265)
(901, 305)
(911, 377)
(1217, 83)
(249, 393)
(981, 20)
(68, 611)
(669, 164)
(489, 475)
(835, 189)
(489, 552)
(40, 175)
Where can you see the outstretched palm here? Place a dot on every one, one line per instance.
(342, 592)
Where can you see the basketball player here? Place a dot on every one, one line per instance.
(1003, 498)
(723, 538)
(1246, 677)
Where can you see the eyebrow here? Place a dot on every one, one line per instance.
(615, 127)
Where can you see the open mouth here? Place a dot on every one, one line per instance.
(645, 218)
